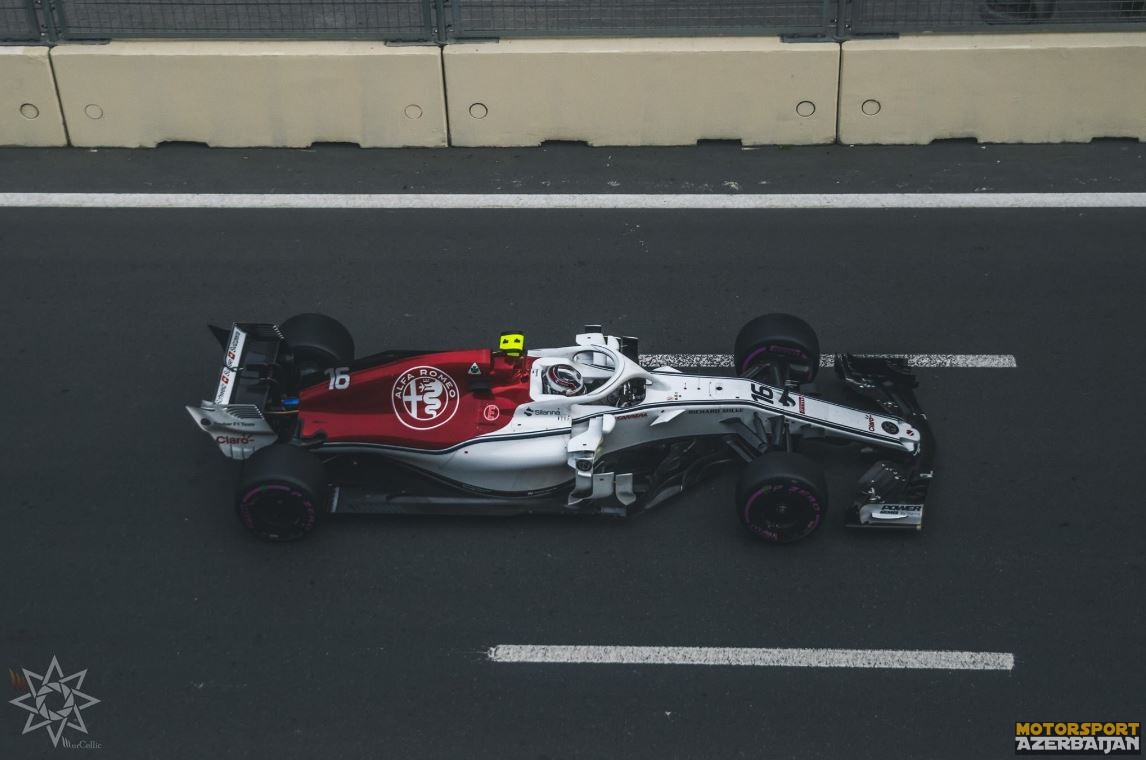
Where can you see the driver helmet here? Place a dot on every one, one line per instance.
(564, 379)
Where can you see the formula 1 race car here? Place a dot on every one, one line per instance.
(583, 429)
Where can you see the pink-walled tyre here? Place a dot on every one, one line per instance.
(777, 339)
(781, 497)
(282, 493)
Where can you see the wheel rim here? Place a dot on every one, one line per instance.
(799, 363)
(782, 511)
(781, 516)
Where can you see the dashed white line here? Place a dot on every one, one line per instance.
(781, 658)
(962, 361)
(551, 201)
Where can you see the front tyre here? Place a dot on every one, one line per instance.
(781, 497)
(282, 493)
(774, 340)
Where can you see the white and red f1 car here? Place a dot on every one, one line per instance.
(583, 429)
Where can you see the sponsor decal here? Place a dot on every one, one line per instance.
(900, 510)
(54, 702)
(1089, 738)
(531, 412)
(424, 398)
(474, 369)
(890, 427)
(235, 346)
(633, 416)
(234, 440)
(224, 391)
(871, 423)
(490, 413)
(233, 423)
(801, 404)
(230, 365)
(721, 410)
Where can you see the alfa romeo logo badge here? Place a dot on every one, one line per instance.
(425, 398)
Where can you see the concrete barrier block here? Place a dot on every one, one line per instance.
(251, 93)
(29, 108)
(641, 91)
(1035, 88)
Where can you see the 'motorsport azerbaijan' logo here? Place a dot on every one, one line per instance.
(1081, 738)
(424, 398)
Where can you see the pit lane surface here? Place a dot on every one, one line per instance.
(370, 639)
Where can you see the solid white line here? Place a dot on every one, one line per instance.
(574, 201)
(782, 658)
(930, 361)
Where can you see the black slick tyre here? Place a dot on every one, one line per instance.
(778, 338)
(781, 497)
(282, 493)
(317, 342)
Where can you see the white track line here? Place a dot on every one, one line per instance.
(962, 361)
(574, 201)
(783, 658)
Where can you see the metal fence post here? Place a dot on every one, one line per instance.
(844, 18)
(443, 23)
(46, 14)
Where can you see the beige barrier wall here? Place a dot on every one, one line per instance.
(282, 94)
(29, 109)
(641, 91)
(1001, 88)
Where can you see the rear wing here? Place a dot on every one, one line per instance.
(250, 353)
(235, 418)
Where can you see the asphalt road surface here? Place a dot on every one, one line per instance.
(122, 554)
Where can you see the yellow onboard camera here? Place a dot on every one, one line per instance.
(512, 343)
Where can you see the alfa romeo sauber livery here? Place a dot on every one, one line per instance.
(582, 429)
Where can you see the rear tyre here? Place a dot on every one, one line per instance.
(317, 342)
(778, 339)
(282, 493)
(781, 497)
